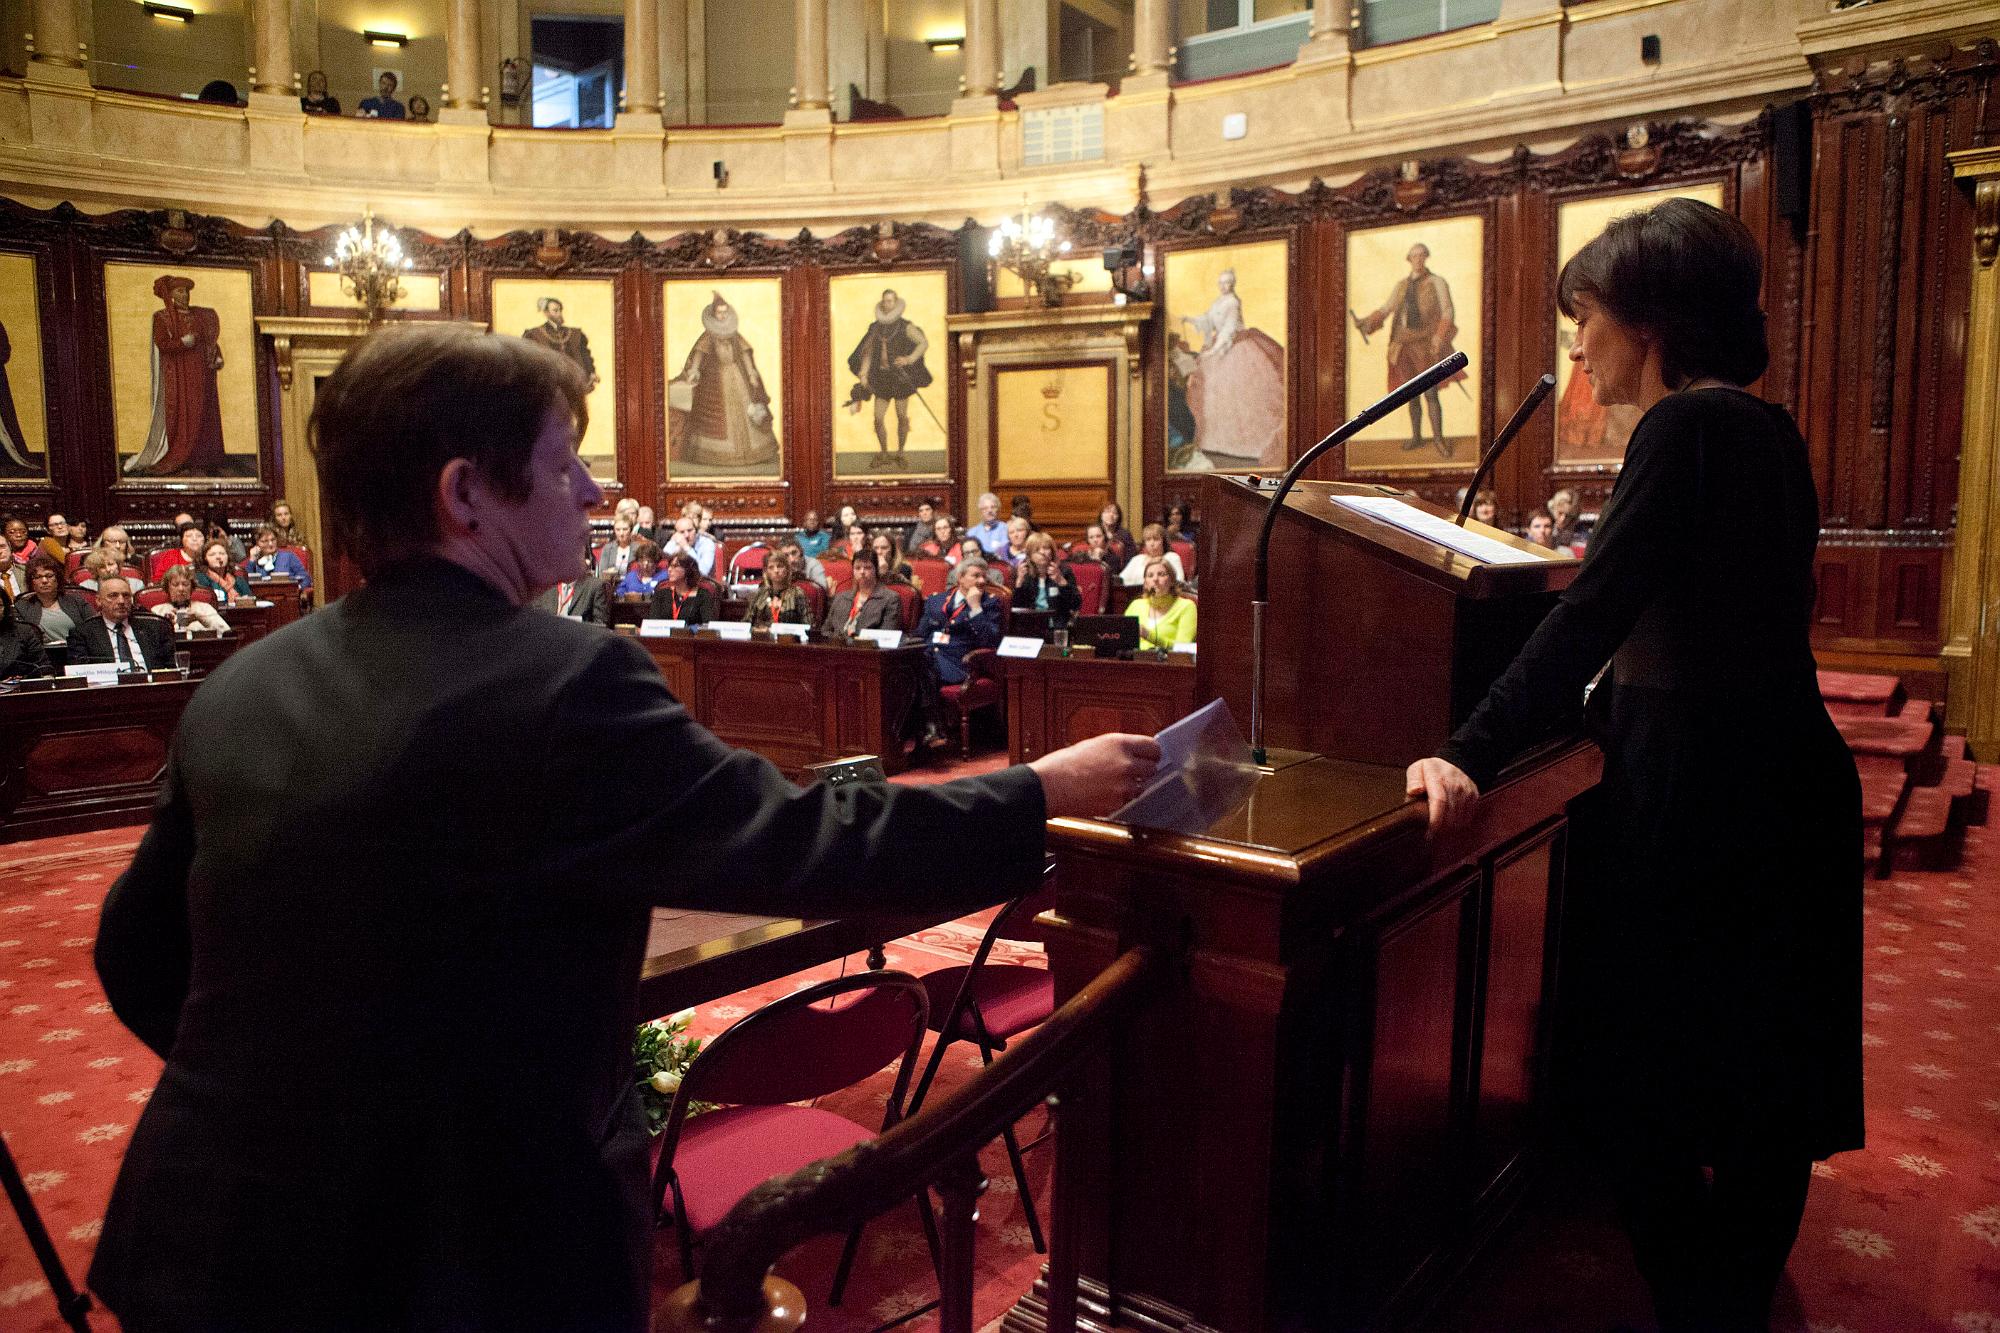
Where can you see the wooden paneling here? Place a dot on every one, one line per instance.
(1053, 701)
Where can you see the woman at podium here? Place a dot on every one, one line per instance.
(1712, 975)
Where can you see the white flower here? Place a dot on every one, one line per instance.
(1951, 946)
(55, 892)
(1950, 973)
(54, 1098)
(1888, 950)
(1898, 926)
(1992, 1104)
(62, 1034)
(21, 1291)
(1925, 1112)
(1825, 1171)
(1957, 904)
(20, 907)
(1939, 1034)
(41, 1182)
(1935, 1073)
(16, 1066)
(1976, 1321)
(666, 1082)
(106, 1061)
(1927, 1167)
(1866, 1244)
(682, 1019)
(1880, 1007)
(77, 942)
(99, 1008)
(1983, 1225)
(38, 962)
(1946, 1002)
(1870, 1039)
(71, 984)
(100, 1133)
(1886, 979)
(87, 1230)
(25, 1009)
(142, 1095)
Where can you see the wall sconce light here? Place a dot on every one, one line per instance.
(171, 13)
(391, 39)
(942, 44)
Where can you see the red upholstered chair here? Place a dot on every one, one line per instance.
(747, 565)
(910, 604)
(815, 601)
(150, 598)
(1185, 550)
(982, 686)
(989, 1004)
(932, 572)
(794, 1050)
(89, 597)
(73, 566)
(840, 573)
(1092, 578)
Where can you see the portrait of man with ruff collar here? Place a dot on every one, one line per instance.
(892, 418)
(576, 318)
(723, 406)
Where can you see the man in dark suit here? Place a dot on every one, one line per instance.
(959, 621)
(585, 598)
(114, 634)
(387, 934)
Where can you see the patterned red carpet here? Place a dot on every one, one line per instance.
(1902, 1237)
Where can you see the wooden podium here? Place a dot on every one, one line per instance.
(1328, 1113)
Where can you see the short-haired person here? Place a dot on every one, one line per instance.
(15, 529)
(181, 609)
(920, 530)
(989, 531)
(616, 557)
(217, 573)
(114, 634)
(648, 523)
(1042, 584)
(269, 560)
(325, 1147)
(185, 551)
(98, 565)
(1562, 509)
(1165, 617)
(22, 650)
(1015, 551)
(13, 576)
(1715, 871)
(963, 617)
(863, 604)
(79, 536)
(115, 540)
(50, 606)
(1152, 546)
(778, 598)
(383, 105)
(586, 598)
(216, 522)
(688, 538)
(943, 538)
(812, 536)
(804, 567)
(1097, 547)
(643, 574)
(1542, 529)
(680, 595)
(627, 509)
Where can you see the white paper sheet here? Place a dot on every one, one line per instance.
(1020, 645)
(1443, 531)
(1204, 773)
(882, 638)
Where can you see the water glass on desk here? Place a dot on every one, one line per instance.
(1061, 638)
(184, 663)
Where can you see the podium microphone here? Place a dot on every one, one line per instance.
(1543, 388)
(1403, 393)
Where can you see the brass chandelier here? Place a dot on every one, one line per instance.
(370, 264)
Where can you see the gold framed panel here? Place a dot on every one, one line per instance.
(1228, 316)
(725, 364)
(183, 378)
(587, 335)
(1053, 422)
(24, 417)
(891, 420)
(1415, 293)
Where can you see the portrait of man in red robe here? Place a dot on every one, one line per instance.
(186, 433)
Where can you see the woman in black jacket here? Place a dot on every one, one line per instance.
(1042, 584)
(50, 607)
(21, 650)
(1713, 953)
(681, 596)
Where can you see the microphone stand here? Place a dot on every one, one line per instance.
(1398, 396)
(1543, 388)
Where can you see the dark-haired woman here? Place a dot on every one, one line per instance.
(217, 573)
(21, 650)
(680, 595)
(1714, 978)
(49, 606)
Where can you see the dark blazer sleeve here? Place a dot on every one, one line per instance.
(30, 657)
(986, 625)
(933, 615)
(597, 603)
(144, 954)
(1623, 570)
(90, 641)
(836, 613)
(888, 612)
(153, 638)
(770, 847)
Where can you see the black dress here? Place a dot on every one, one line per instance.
(1713, 977)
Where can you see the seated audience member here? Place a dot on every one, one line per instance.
(864, 604)
(920, 531)
(268, 561)
(21, 646)
(317, 101)
(1123, 548)
(846, 519)
(420, 109)
(217, 573)
(943, 538)
(804, 566)
(778, 599)
(812, 536)
(181, 610)
(1542, 529)
(989, 531)
(703, 516)
(890, 567)
(1152, 546)
(959, 620)
(1179, 522)
(1562, 512)
(1016, 549)
(1042, 584)
(1165, 617)
(55, 540)
(114, 634)
(187, 551)
(1023, 507)
(694, 542)
(1486, 508)
(586, 598)
(1096, 547)
(98, 564)
(647, 524)
(15, 529)
(383, 105)
(79, 536)
(50, 606)
(221, 92)
(680, 595)
(853, 540)
(114, 540)
(289, 531)
(13, 577)
(627, 509)
(616, 557)
(216, 522)
(643, 574)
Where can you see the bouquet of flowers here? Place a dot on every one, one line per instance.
(661, 1053)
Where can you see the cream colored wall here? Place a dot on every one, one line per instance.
(131, 49)
(749, 73)
(1025, 41)
(15, 24)
(921, 81)
(349, 62)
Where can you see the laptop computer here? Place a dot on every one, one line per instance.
(1107, 636)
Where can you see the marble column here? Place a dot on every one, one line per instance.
(1332, 33)
(642, 56)
(464, 60)
(982, 48)
(271, 47)
(1152, 41)
(56, 34)
(809, 55)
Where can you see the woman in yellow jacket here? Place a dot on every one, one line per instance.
(1165, 617)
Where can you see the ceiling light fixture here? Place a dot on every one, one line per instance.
(374, 38)
(941, 44)
(172, 13)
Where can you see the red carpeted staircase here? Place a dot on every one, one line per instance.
(1918, 789)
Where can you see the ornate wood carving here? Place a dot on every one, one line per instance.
(1986, 222)
(1888, 261)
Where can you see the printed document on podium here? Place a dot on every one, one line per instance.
(1205, 772)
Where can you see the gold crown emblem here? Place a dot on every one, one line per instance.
(1052, 389)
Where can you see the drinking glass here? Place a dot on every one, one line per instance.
(1062, 642)
(184, 663)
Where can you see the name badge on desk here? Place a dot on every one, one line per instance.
(650, 628)
(737, 630)
(1020, 645)
(882, 638)
(97, 673)
(780, 630)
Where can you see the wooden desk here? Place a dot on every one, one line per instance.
(73, 760)
(1053, 701)
(796, 704)
(695, 957)
(284, 596)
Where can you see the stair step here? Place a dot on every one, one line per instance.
(1857, 687)
(1900, 737)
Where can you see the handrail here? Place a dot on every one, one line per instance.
(832, 1194)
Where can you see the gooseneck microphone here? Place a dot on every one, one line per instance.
(1543, 388)
(1398, 396)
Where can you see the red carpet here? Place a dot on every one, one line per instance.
(1904, 1236)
